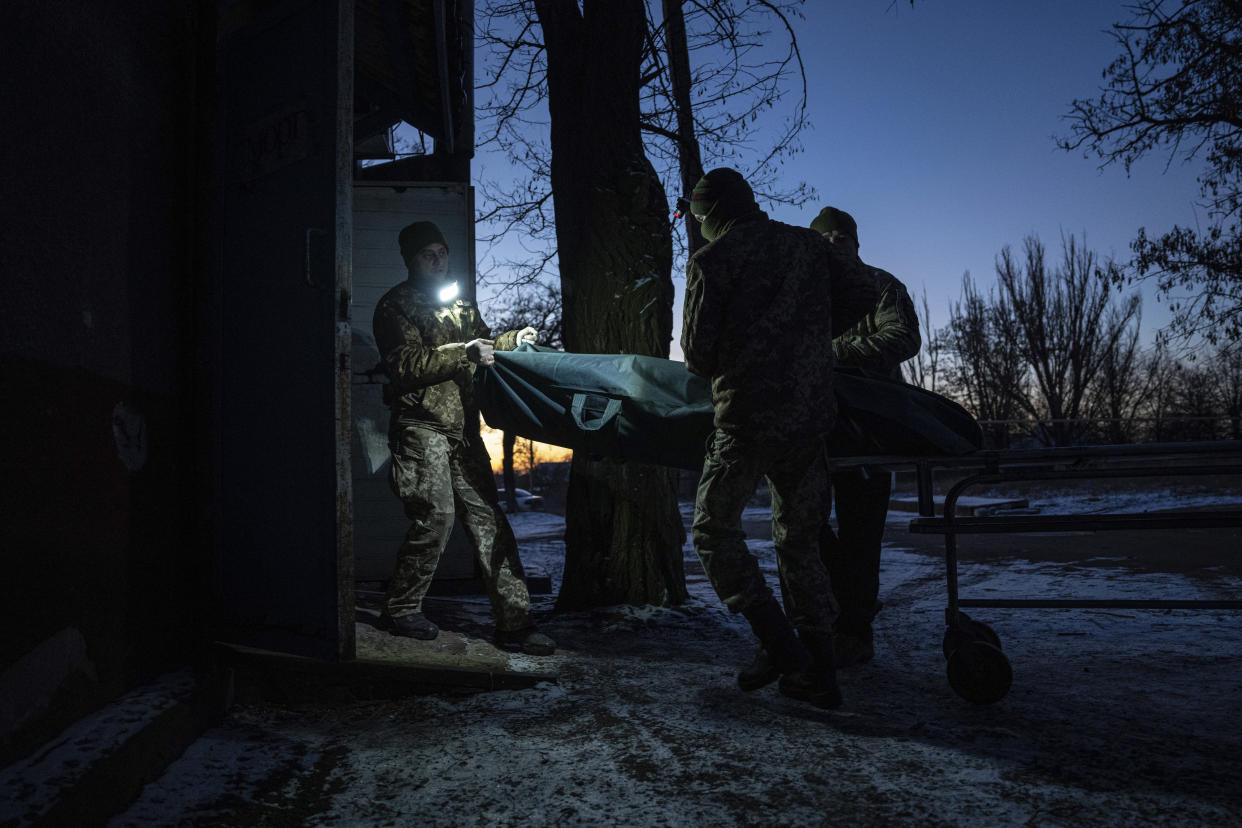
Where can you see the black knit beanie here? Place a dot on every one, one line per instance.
(830, 219)
(720, 198)
(414, 237)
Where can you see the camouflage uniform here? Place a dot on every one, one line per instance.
(887, 335)
(440, 468)
(757, 323)
(883, 339)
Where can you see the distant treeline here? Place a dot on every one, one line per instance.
(1051, 356)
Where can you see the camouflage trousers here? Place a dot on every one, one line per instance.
(852, 553)
(438, 480)
(797, 474)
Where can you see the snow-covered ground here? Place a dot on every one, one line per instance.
(537, 525)
(1082, 500)
(1078, 501)
(1116, 718)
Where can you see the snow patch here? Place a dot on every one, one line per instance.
(1116, 718)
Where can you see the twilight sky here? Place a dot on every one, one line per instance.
(933, 126)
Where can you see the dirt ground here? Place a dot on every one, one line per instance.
(1115, 718)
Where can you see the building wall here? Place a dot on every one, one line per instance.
(98, 225)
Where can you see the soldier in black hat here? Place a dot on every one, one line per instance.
(430, 339)
(884, 338)
(758, 324)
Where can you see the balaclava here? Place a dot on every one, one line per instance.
(719, 199)
(830, 219)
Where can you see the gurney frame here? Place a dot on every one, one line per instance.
(978, 669)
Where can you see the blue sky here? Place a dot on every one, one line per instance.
(933, 126)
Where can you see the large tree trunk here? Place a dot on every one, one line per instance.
(623, 532)
(689, 158)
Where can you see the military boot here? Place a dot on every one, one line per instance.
(413, 625)
(760, 673)
(779, 641)
(816, 684)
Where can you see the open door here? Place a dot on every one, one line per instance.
(281, 286)
(381, 209)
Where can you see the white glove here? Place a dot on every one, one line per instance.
(480, 351)
(528, 334)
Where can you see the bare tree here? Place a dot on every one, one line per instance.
(614, 256)
(923, 368)
(680, 83)
(623, 529)
(1228, 365)
(986, 372)
(1160, 369)
(709, 70)
(1199, 398)
(537, 304)
(1194, 403)
(530, 457)
(1175, 86)
(594, 207)
(1062, 324)
(1119, 390)
(508, 442)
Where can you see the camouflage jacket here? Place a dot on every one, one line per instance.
(422, 346)
(887, 336)
(758, 323)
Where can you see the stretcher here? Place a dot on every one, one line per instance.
(645, 409)
(651, 410)
(978, 669)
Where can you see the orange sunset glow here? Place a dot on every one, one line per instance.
(543, 453)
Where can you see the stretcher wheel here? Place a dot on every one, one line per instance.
(983, 632)
(954, 637)
(965, 629)
(979, 672)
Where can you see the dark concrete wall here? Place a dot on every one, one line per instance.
(99, 209)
